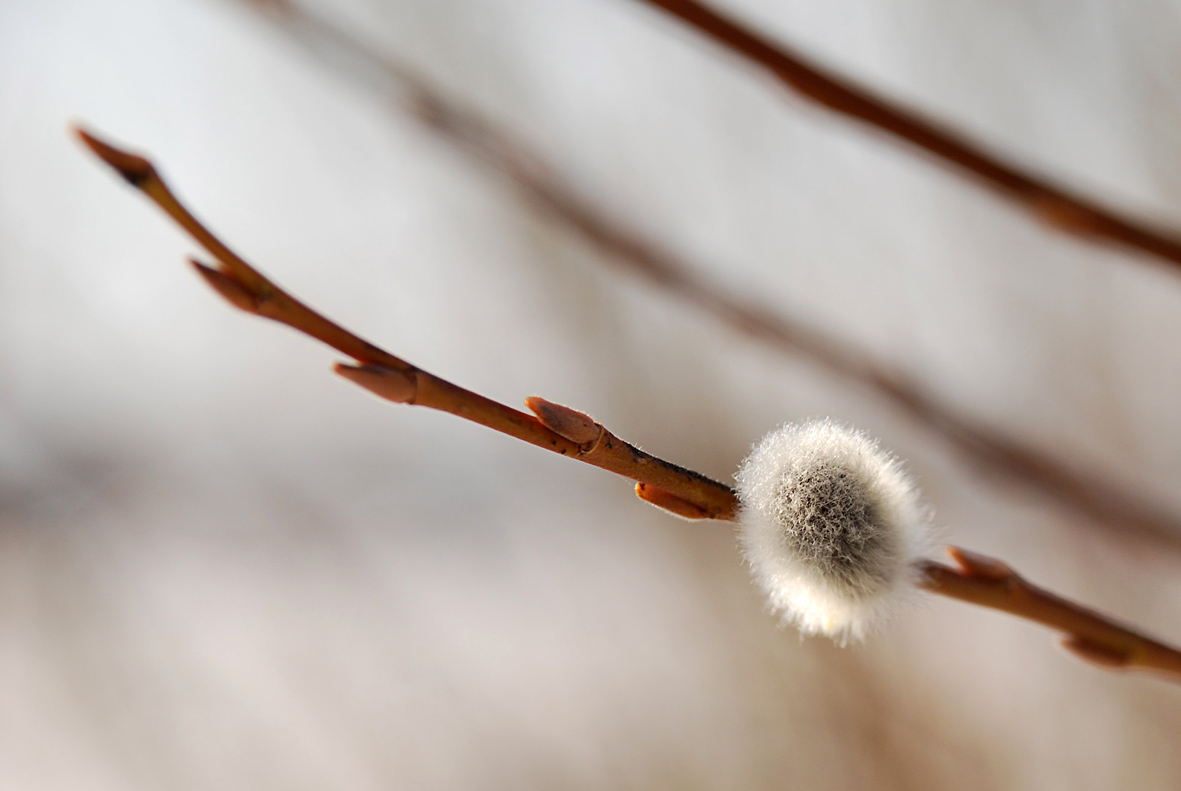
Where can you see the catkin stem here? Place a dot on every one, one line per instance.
(979, 580)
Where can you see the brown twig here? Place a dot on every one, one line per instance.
(1090, 635)
(397, 380)
(1054, 205)
(978, 579)
(1085, 492)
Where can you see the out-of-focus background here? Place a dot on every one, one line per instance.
(223, 568)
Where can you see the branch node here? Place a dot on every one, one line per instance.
(1067, 216)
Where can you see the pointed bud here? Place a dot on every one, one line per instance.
(973, 564)
(230, 289)
(1101, 655)
(393, 385)
(670, 502)
(564, 421)
(135, 169)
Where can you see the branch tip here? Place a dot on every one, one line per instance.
(132, 167)
(401, 387)
(564, 421)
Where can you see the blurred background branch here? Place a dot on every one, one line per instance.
(1053, 205)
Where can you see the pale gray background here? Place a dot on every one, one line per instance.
(222, 568)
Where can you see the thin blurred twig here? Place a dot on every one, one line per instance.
(976, 579)
(1053, 204)
(1085, 492)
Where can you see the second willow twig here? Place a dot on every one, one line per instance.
(1083, 491)
(1053, 204)
(975, 578)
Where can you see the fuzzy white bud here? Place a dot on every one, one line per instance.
(831, 525)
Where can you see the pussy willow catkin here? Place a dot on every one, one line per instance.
(831, 525)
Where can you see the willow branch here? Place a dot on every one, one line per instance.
(976, 579)
(1051, 203)
(1090, 635)
(397, 380)
(1085, 492)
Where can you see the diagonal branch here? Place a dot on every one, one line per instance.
(976, 579)
(1092, 636)
(393, 378)
(1085, 492)
(1055, 205)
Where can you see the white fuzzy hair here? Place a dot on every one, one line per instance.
(831, 525)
